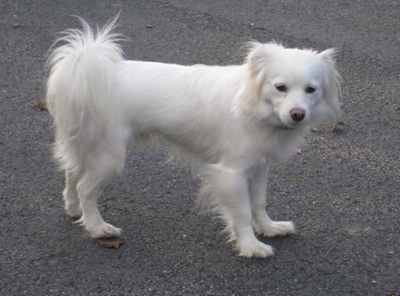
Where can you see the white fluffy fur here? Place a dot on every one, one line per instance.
(231, 121)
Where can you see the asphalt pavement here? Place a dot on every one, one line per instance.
(342, 190)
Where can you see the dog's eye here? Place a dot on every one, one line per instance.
(310, 89)
(281, 87)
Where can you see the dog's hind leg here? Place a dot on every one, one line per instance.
(261, 221)
(102, 167)
(70, 195)
(65, 151)
(231, 199)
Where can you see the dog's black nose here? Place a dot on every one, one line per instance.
(297, 114)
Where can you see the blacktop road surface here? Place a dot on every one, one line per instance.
(342, 190)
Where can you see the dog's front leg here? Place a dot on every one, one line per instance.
(261, 221)
(231, 190)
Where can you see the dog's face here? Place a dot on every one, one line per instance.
(292, 87)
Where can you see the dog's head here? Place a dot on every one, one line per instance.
(291, 87)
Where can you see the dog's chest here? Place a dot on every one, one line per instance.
(279, 146)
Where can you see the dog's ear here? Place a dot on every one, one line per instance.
(332, 91)
(259, 56)
(328, 55)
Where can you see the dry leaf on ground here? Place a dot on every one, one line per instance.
(337, 126)
(40, 105)
(111, 243)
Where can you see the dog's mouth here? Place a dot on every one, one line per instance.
(285, 127)
(279, 125)
(282, 126)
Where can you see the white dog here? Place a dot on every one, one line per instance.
(231, 121)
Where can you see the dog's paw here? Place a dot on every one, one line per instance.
(254, 248)
(105, 230)
(73, 210)
(276, 228)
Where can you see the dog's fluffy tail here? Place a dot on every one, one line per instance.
(80, 85)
